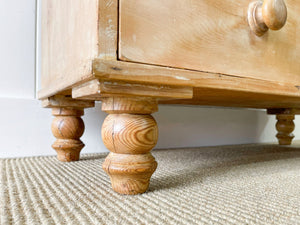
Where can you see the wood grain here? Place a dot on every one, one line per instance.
(201, 36)
(129, 134)
(134, 105)
(274, 13)
(97, 89)
(151, 74)
(130, 174)
(285, 126)
(268, 14)
(208, 88)
(108, 29)
(209, 36)
(230, 98)
(61, 101)
(67, 127)
(69, 43)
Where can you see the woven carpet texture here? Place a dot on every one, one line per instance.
(244, 184)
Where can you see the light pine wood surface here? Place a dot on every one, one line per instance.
(108, 29)
(211, 36)
(61, 101)
(269, 14)
(219, 97)
(208, 88)
(129, 132)
(67, 127)
(285, 126)
(119, 105)
(69, 42)
(274, 13)
(133, 54)
(96, 90)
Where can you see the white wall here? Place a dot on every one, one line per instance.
(26, 125)
(17, 48)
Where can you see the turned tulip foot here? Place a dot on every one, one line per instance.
(285, 126)
(130, 133)
(67, 127)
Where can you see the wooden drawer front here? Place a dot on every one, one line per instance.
(212, 36)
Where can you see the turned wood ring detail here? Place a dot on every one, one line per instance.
(270, 14)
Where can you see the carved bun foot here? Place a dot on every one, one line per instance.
(285, 126)
(130, 134)
(67, 127)
(130, 174)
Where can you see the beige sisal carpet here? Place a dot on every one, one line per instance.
(248, 184)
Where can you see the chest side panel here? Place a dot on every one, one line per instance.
(69, 41)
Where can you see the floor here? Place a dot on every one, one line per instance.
(242, 184)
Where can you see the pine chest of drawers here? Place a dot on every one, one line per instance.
(135, 54)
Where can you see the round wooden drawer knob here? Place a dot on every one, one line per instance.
(270, 14)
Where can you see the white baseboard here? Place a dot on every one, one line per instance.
(26, 127)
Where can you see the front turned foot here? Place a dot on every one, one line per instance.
(285, 126)
(130, 133)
